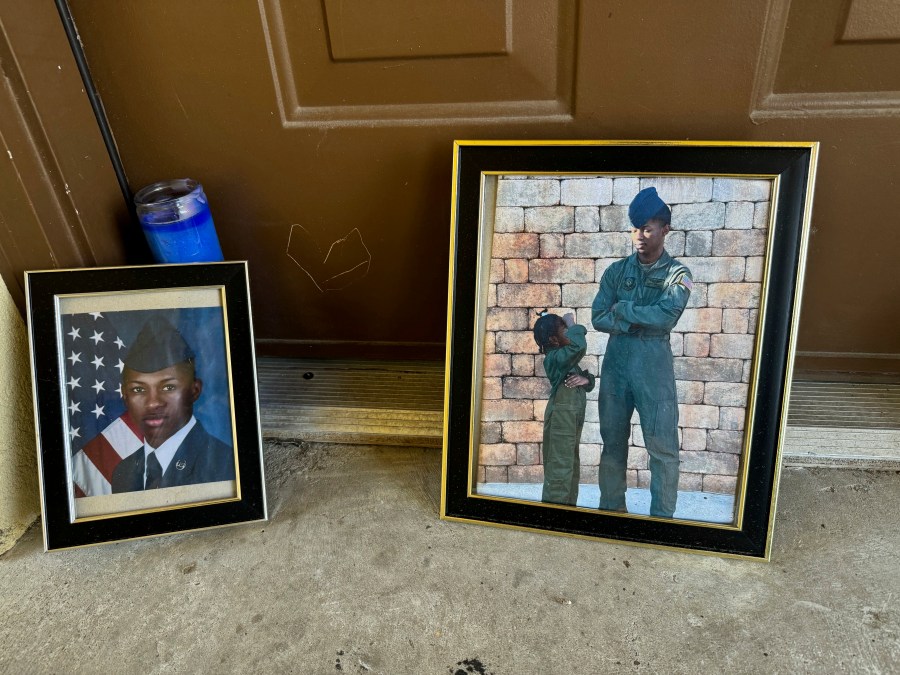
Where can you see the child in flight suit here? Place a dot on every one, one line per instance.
(563, 344)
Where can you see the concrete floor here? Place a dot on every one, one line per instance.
(355, 573)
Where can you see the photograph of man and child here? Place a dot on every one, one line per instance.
(639, 301)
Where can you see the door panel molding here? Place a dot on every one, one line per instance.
(442, 31)
(871, 21)
(780, 90)
(518, 65)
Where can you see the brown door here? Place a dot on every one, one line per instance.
(322, 132)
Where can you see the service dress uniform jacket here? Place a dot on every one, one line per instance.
(201, 458)
(564, 419)
(638, 309)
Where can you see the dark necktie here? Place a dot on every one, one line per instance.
(154, 472)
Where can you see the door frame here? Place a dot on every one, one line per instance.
(61, 171)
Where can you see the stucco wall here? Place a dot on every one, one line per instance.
(19, 504)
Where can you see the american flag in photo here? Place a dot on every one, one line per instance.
(100, 432)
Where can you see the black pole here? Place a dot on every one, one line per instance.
(96, 104)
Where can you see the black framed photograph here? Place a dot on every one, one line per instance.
(146, 406)
(621, 332)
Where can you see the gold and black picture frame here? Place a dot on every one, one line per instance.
(146, 407)
(652, 410)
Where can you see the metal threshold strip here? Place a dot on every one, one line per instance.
(851, 405)
(843, 424)
(401, 403)
(346, 401)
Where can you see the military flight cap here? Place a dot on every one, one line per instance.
(158, 345)
(647, 205)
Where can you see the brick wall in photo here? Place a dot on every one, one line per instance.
(553, 238)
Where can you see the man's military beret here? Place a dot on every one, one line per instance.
(647, 205)
(158, 345)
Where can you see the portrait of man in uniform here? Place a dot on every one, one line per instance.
(160, 387)
(640, 300)
(666, 274)
(142, 369)
(621, 334)
(148, 399)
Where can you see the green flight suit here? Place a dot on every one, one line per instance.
(638, 372)
(564, 419)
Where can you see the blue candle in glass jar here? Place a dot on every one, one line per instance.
(175, 217)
